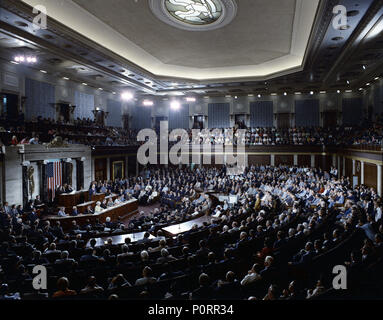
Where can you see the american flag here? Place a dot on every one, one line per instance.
(54, 175)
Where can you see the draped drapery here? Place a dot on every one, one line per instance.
(307, 113)
(261, 114)
(114, 118)
(44, 183)
(179, 119)
(84, 105)
(352, 111)
(219, 115)
(79, 174)
(25, 185)
(141, 117)
(40, 99)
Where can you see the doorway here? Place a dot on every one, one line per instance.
(198, 122)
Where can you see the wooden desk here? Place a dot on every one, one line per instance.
(68, 200)
(122, 210)
(120, 239)
(98, 197)
(82, 207)
(186, 226)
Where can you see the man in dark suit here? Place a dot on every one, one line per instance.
(75, 212)
(306, 256)
(228, 288)
(204, 292)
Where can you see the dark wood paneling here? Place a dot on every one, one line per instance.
(100, 169)
(284, 159)
(349, 168)
(132, 166)
(304, 160)
(370, 173)
(323, 162)
(358, 170)
(259, 160)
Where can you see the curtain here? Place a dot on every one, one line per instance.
(307, 113)
(261, 114)
(179, 119)
(219, 115)
(67, 170)
(84, 105)
(79, 174)
(25, 185)
(352, 111)
(114, 118)
(44, 183)
(141, 117)
(40, 99)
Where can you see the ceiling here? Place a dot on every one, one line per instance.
(241, 49)
(234, 45)
(332, 59)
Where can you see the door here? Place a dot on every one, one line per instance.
(283, 120)
(329, 119)
(198, 122)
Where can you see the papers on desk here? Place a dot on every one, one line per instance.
(233, 199)
(223, 198)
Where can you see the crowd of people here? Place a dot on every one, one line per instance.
(279, 241)
(82, 131)
(88, 132)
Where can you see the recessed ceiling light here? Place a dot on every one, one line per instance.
(377, 78)
(65, 78)
(126, 96)
(235, 97)
(273, 94)
(259, 96)
(298, 93)
(228, 96)
(100, 89)
(113, 92)
(190, 99)
(360, 89)
(250, 95)
(285, 94)
(338, 91)
(348, 91)
(348, 82)
(311, 92)
(43, 71)
(364, 67)
(322, 92)
(147, 103)
(85, 84)
(14, 62)
(367, 84)
(206, 97)
(175, 105)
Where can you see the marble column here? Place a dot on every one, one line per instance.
(379, 179)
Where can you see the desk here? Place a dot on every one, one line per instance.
(98, 197)
(134, 237)
(68, 200)
(186, 226)
(122, 210)
(83, 206)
